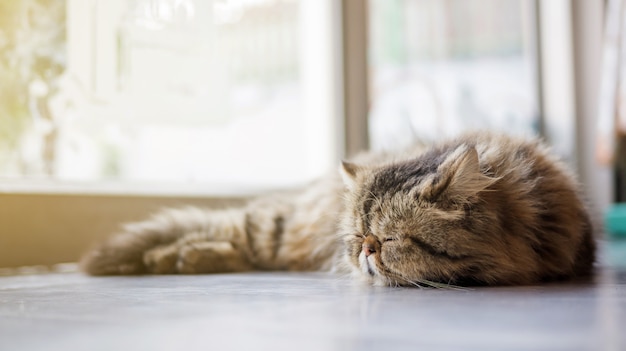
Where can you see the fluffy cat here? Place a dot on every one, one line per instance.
(482, 209)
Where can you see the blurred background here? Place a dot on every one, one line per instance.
(132, 104)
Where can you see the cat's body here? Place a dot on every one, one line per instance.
(480, 209)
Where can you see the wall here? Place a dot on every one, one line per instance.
(39, 229)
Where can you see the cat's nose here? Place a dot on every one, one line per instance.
(370, 245)
(368, 249)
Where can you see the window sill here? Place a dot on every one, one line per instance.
(142, 189)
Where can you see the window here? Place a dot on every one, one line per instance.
(176, 92)
(442, 67)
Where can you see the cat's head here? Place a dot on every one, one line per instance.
(414, 221)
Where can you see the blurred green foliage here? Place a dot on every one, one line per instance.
(32, 48)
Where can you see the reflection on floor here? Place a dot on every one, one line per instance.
(294, 311)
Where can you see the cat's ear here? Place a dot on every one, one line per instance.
(349, 172)
(459, 176)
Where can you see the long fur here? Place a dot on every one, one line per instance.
(480, 209)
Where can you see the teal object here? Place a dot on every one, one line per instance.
(615, 221)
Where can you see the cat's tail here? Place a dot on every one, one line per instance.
(123, 253)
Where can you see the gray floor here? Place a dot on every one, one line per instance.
(290, 311)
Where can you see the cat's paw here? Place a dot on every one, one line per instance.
(211, 257)
(162, 259)
(115, 257)
(195, 258)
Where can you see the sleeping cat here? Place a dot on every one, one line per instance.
(482, 209)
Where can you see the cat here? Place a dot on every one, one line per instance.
(480, 209)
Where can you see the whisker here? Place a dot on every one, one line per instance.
(422, 283)
(399, 277)
(442, 285)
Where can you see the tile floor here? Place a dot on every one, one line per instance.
(295, 311)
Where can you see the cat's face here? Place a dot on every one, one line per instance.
(408, 223)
